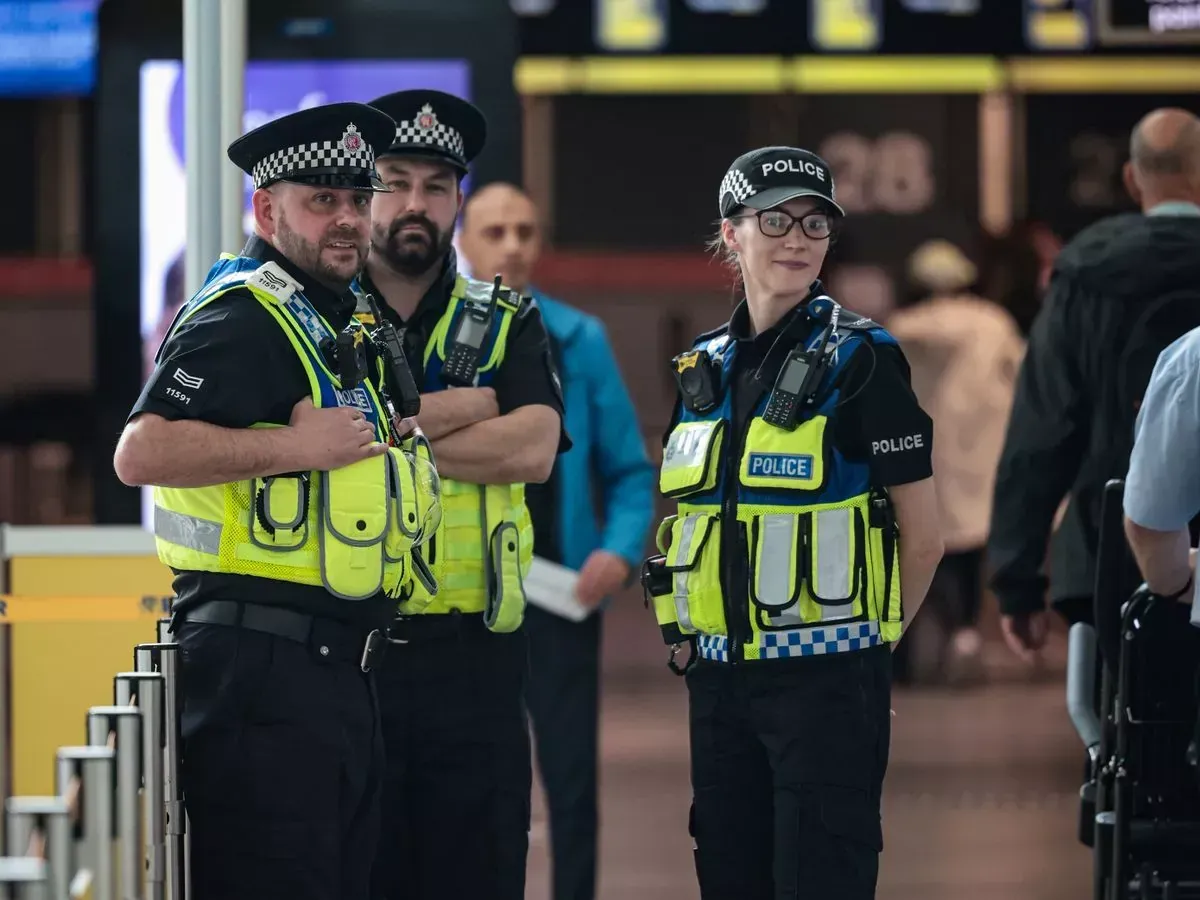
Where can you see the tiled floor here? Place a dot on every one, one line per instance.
(981, 797)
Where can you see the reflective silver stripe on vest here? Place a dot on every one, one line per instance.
(831, 572)
(776, 559)
(187, 531)
(687, 533)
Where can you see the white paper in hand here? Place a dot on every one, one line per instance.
(551, 587)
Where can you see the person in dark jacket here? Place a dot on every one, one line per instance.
(1077, 395)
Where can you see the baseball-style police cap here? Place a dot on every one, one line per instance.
(326, 146)
(769, 176)
(434, 125)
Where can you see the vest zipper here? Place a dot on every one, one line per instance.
(731, 536)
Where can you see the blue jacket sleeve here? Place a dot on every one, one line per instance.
(619, 455)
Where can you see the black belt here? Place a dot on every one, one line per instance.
(434, 626)
(335, 640)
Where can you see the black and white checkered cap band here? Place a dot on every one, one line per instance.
(736, 183)
(441, 136)
(313, 155)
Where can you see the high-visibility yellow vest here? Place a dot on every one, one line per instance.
(351, 529)
(819, 541)
(483, 549)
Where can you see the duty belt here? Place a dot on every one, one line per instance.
(337, 641)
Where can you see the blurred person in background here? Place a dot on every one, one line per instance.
(1120, 291)
(964, 352)
(459, 776)
(806, 534)
(173, 298)
(1014, 272)
(593, 515)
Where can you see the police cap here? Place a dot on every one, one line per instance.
(769, 176)
(326, 146)
(434, 125)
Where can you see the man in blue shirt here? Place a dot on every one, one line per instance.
(593, 515)
(1162, 489)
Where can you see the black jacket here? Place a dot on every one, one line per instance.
(1089, 356)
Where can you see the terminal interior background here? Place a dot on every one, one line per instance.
(1001, 131)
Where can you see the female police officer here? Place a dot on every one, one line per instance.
(806, 532)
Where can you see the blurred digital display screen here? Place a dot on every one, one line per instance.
(273, 89)
(47, 47)
(1157, 17)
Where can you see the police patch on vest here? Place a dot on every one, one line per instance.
(357, 398)
(781, 465)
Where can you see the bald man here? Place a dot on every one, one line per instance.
(1122, 290)
(603, 540)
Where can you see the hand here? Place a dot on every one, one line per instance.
(1025, 634)
(602, 575)
(327, 439)
(403, 429)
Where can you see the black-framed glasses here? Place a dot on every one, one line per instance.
(777, 222)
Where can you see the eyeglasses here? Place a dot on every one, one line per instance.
(777, 223)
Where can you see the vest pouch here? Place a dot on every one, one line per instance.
(836, 556)
(414, 495)
(777, 561)
(694, 560)
(779, 460)
(885, 571)
(691, 457)
(279, 512)
(506, 589)
(353, 524)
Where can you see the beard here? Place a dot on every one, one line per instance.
(309, 256)
(415, 252)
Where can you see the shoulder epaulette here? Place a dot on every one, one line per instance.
(272, 279)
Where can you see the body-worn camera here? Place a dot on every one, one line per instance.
(698, 379)
(347, 356)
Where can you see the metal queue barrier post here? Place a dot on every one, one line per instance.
(23, 878)
(41, 827)
(120, 727)
(84, 777)
(145, 691)
(163, 658)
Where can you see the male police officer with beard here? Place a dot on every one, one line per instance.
(280, 482)
(456, 796)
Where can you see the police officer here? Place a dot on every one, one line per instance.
(281, 490)
(459, 771)
(806, 533)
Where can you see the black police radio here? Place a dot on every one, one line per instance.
(801, 374)
(474, 325)
(401, 386)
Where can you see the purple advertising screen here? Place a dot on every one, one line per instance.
(273, 89)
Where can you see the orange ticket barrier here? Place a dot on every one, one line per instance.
(75, 602)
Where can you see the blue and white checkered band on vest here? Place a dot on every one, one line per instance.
(351, 152)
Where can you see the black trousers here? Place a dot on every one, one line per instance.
(564, 705)
(459, 774)
(788, 760)
(282, 763)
